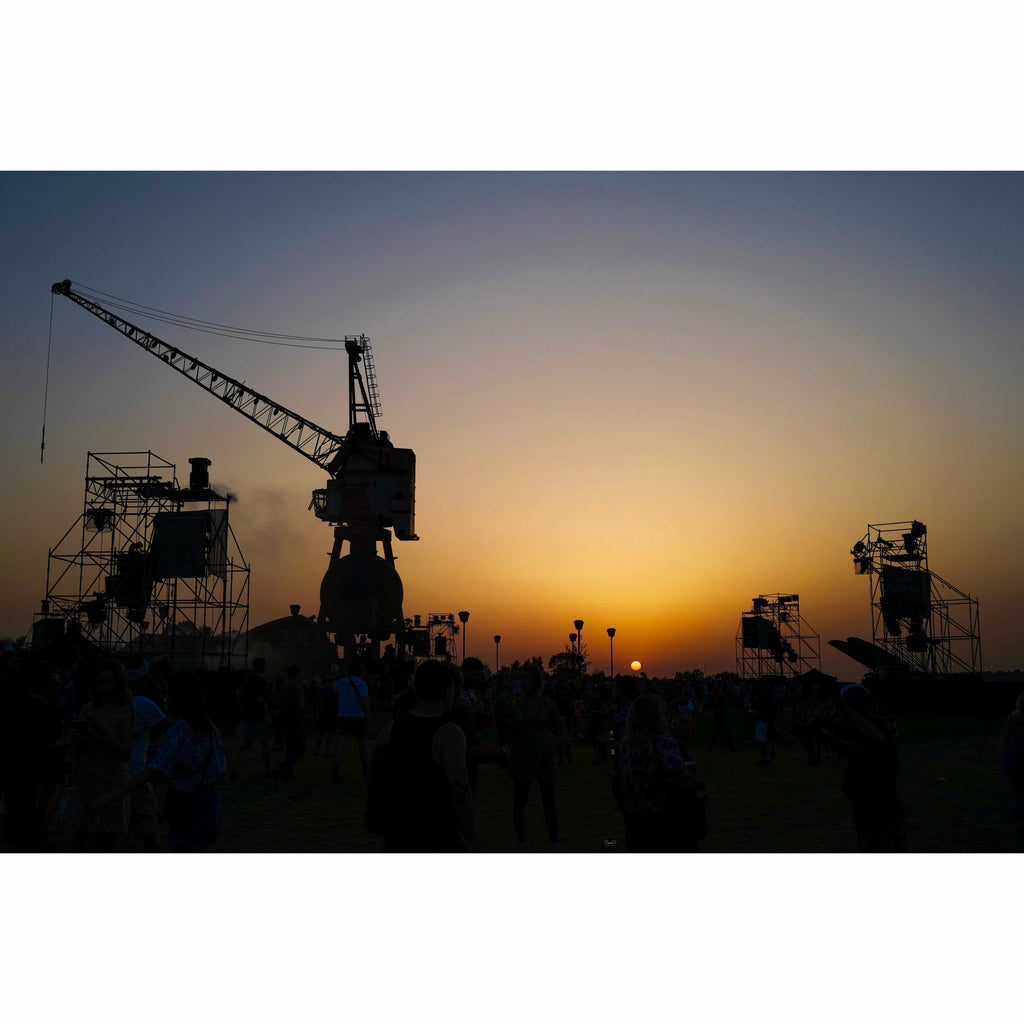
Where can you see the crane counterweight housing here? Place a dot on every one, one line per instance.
(370, 487)
(384, 473)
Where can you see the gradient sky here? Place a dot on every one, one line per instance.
(636, 399)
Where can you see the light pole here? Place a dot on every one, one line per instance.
(497, 640)
(578, 623)
(572, 642)
(611, 653)
(463, 618)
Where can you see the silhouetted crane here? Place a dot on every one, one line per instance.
(370, 486)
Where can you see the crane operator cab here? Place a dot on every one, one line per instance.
(372, 476)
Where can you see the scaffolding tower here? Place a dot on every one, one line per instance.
(923, 620)
(436, 638)
(774, 639)
(149, 567)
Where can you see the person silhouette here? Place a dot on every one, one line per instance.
(535, 731)
(253, 707)
(872, 771)
(102, 737)
(1011, 762)
(660, 797)
(417, 780)
(353, 717)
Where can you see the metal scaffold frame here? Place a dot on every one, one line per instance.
(926, 622)
(435, 638)
(774, 639)
(444, 628)
(189, 605)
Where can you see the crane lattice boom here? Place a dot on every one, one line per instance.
(318, 445)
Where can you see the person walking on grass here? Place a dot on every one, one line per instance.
(253, 708)
(291, 709)
(353, 717)
(720, 711)
(535, 730)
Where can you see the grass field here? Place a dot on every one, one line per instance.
(955, 798)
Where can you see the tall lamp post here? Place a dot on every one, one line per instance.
(611, 653)
(578, 623)
(463, 618)
(497, 640)
(572, 642)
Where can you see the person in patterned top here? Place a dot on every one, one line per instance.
(191, 761)
(659, 795)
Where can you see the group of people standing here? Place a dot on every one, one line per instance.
(420, 796)
(83, 754)
(87, 766)
(339, 707)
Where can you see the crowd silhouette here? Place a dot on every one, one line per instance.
(106, 755)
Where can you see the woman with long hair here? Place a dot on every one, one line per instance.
(660, 797)
(190, 761)
(101, 739)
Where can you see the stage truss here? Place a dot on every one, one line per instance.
(774, 639)
(435, 639)
(150, 567)
(917, 616)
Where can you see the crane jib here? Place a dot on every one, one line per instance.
(317, 444)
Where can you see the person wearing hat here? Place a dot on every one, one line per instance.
(872, 772)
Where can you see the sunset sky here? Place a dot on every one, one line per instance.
(639, 399)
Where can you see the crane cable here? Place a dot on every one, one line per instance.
(46, 386)
(211, 327)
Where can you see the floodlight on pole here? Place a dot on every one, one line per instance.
(611, 652)
(463, 618)
(497, 641)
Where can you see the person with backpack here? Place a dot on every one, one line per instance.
(419, 799)
(353, 716)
